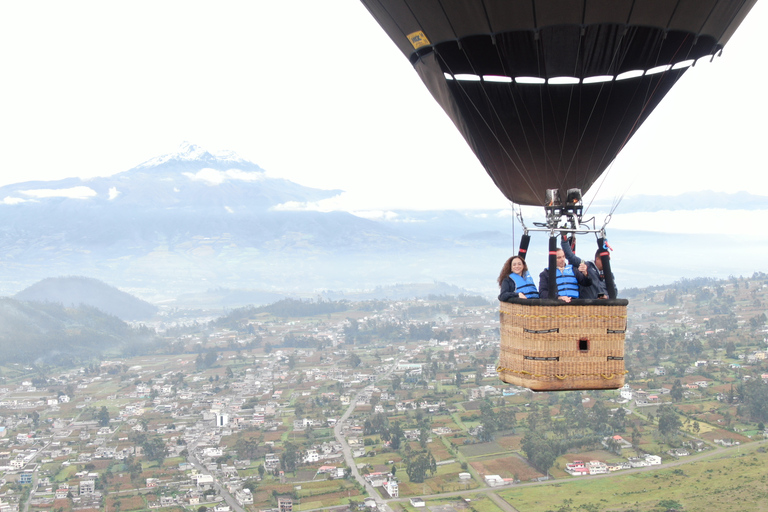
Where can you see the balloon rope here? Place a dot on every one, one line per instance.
(524, 172)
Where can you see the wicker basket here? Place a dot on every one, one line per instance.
(551, 345)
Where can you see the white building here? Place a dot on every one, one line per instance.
(391, 488)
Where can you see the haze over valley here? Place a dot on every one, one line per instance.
(192, 222)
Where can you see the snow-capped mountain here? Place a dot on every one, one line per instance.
(194, 219)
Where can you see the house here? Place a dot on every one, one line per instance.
(626, 392)
(271, 461)
(87, 487)
(244, 497)
(597, 467)
(377, 479)
(392, 488)
(653, 460)
(284, 504)
(417, 502)
(494, 480)
(203, 481)
(576, 468)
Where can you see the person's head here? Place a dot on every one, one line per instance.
(516, 265)
(560, 258)
(599, 260)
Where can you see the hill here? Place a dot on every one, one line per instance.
(72, 291)
(50, 332)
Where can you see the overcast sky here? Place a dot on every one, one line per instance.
(315, 92)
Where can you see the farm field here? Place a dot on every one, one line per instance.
(736, 482)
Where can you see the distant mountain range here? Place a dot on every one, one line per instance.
(192, 221)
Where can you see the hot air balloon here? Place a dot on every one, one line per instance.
(547, 93)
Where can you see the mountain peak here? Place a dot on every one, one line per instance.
(188, 152)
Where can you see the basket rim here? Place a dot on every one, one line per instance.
(574, 302)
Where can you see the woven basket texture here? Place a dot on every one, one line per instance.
(562, 347)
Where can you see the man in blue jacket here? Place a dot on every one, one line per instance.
(598, 289)
(569, 280)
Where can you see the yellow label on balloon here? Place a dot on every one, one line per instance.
(418, 39)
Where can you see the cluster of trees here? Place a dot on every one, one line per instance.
(493, 421)
(298, 307)
(542, 449)
(753, 398)
(206, 360)
(153, 447)
(419, 464)
(246, 447)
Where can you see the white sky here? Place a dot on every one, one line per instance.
(315, 92)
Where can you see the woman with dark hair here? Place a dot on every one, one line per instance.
(515, 281)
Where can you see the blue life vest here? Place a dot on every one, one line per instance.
(567, 284)
(524, 285)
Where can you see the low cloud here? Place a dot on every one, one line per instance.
(703, 222)
(72, 193)
(13, 200)
(297, 206)
(113, 193)
(215, 177)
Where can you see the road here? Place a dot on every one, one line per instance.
(231, 501)
(381, 504)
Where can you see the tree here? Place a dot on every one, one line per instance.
(423, 437)
(670, 505)
(290, 457)
(354, 360)
(459, 379)
(210, 358)
(135, 470)
(154, 449)
(419, 465)
(103, 417)
(395, 436)
(669, 421)
(539, 451)
(677, 391)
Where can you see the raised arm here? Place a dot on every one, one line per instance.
(572, 258)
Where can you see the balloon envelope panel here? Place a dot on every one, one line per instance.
(601, 66)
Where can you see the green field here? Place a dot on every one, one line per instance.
(736, 482)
